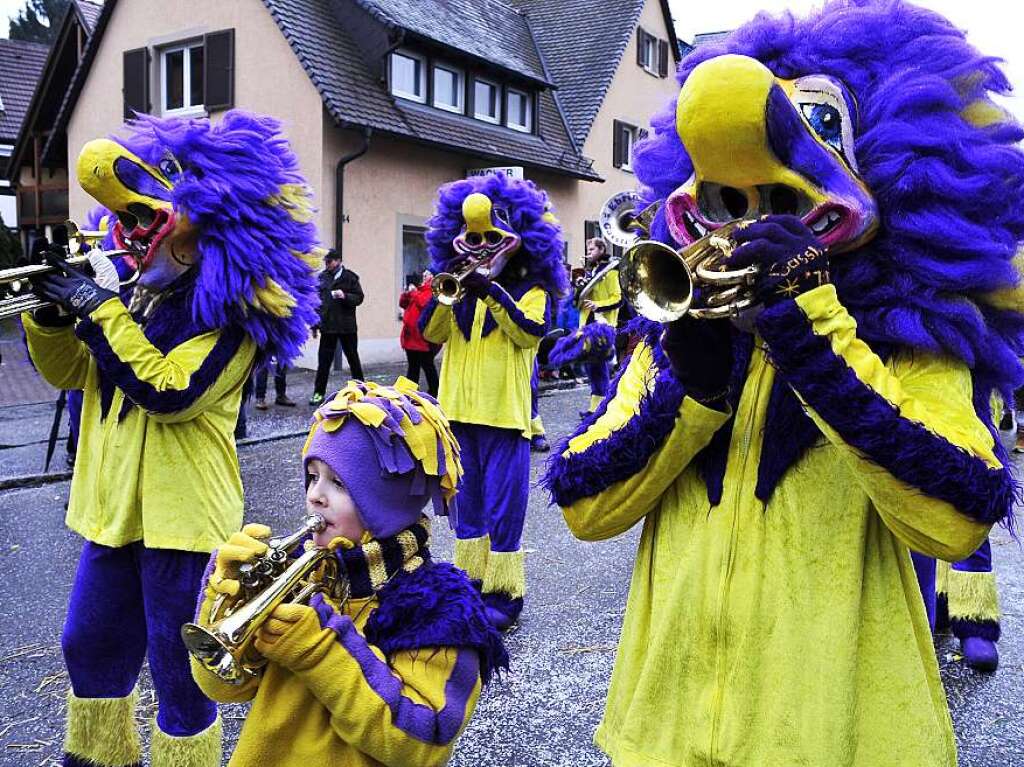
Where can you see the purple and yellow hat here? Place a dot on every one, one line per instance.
(392, 447)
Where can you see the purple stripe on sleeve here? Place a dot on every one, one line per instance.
(415, 719)
(506, 302)
(871, 424)
(144, 394)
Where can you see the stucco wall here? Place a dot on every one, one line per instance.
(268, 77)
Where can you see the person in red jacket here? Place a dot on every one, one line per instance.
(418, 351)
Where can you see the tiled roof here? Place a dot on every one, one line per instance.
(21, 64)
(356, 97)
(90, 13)
(490, 30)
(582, 44)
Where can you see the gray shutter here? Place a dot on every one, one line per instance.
(616, 144)
(135, 88)
(663, 58)
(640, 35)
(219, 74)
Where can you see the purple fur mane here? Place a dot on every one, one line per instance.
(539, 259)
(949, 192)
(234, 174)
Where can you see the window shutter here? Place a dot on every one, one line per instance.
(616, 144)
(663, 58)
(219, 74)
(640, 35)
(135, 89)
(591, 229)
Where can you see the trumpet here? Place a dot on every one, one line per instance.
(225, 646)
(664, 284)
(16, 294)
(447, 287)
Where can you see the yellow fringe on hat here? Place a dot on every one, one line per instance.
(297, 199)
(200, 750)
(102, 730)
(471, 555)
(942, 569)
(972, 596)
(273, 299)
(427, 440)
(506, 573)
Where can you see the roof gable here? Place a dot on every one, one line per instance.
(489, 30)
(21, 64)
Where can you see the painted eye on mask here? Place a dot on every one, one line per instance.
(827, 123)
(169, 167)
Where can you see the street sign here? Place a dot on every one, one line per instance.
(512, 171)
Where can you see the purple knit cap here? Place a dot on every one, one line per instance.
(392, 447)
(387, 502)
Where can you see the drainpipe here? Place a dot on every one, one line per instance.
(339, 185)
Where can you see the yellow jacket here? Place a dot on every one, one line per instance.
(485, 379)
(336, 701)
(607, 297)
(162, 467)
(792, 632)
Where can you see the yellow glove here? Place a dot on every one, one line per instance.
(287, 633)
(240, 548)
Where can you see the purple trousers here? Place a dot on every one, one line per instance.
(129, 603)
(495, 484)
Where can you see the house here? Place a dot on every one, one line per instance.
(384, 100)
(21, 64)
(42, 187)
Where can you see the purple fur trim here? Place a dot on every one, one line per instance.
(144, 394)
(231, 172)
(948, 192)
(962, 629)
(593, 342)
(869, 423)
(788, 433)
(415, 719)
(628, 449)
(436, 606)
(539, 259)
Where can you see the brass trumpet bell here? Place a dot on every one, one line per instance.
(665, 284)
(447, 286)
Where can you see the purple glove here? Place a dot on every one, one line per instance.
(791, 258)
(700, 352)
(476, 285)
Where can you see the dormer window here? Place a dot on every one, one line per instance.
(519, 108)
(449, 87)
(409, 76)
(486, 101)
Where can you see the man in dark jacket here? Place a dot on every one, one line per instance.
(340, 294)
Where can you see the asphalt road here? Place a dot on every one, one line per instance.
(543, 713)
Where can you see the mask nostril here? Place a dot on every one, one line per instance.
(493, 237)
(474, 238)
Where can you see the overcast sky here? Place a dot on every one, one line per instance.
(993, 26)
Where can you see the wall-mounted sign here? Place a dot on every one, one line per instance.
(512, 171)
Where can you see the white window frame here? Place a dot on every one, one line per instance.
(522, 128)
(496, 119)
(188, 110)
(651, 63)
(460, 88)
(633, 133)
(395, 90)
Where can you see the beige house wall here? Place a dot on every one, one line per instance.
(268, 77)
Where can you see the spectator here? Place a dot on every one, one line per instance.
(340, 294)
(280, 386)
(418, 351)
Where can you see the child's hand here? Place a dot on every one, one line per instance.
(286, 619)
(241, 547)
